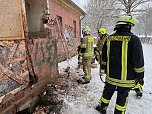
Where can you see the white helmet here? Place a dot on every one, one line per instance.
(86, 30)
(126, 20)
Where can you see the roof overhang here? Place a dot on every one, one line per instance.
(77, 7)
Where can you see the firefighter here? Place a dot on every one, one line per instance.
(87, 53)
(123, 63)
(79, 57)
(102, 35)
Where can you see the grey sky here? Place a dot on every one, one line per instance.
(83, 2)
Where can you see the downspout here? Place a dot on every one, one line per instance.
(80, 26)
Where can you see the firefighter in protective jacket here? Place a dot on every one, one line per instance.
(102, 34)
(123, 62)
(87, 53)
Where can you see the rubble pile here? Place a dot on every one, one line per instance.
(52, 97)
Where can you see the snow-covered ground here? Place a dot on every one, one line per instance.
(86, 97)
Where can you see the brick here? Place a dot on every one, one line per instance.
(1, 108)
(7, 98)
(19, 95)
(19, 59)
(4, 44)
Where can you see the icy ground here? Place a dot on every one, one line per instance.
(83, 98)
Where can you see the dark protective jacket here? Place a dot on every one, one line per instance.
(122, 58)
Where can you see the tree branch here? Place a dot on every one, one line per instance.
(138, 3)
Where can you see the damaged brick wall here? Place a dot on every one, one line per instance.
(19, 58)
(13, 68)
(44, 56)
(13, 64)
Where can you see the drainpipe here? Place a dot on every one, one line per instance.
(80, 26)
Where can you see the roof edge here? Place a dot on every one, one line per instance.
(76, 6)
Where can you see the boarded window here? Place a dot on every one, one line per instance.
(11, 26)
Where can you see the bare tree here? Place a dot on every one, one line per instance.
(130, 6)
(101, 13)
(104, 13)
(145, 23)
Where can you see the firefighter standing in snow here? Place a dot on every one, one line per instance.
(87, 53)
(123, 62)
(102, 37)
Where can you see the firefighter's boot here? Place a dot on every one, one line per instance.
(101, 109)
(83, 81)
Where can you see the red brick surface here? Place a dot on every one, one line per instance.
(68, 16)
(45, 54)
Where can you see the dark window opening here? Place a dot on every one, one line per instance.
(74, 29)
(59, 18)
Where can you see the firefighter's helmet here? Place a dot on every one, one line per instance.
(126, 20)
(102, 31)
(86, 30)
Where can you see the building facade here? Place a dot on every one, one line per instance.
(34, 36)
(68, 14)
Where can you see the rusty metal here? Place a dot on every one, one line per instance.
(52, 23)
(32, 76)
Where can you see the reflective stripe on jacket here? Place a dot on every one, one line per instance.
(87, 46)
(123, 60)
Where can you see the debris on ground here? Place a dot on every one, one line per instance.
(51, 98)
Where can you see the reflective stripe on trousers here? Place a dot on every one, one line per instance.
(86, 61)
(122, 97)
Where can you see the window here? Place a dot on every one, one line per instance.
(59, 18)
(74, 29)
(34, 13)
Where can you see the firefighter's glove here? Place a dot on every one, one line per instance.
(78, 57)
(80, 61)
(83, 50)
(102, 72)
(96, 58)
(138, 89)
(95, 49)
(140, 81)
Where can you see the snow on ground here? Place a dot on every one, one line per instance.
(87, 96)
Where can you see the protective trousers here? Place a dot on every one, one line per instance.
(122, 98)
(86, 61)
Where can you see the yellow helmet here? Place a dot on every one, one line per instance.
(86, 30)
(126, 20)
(102, 31)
